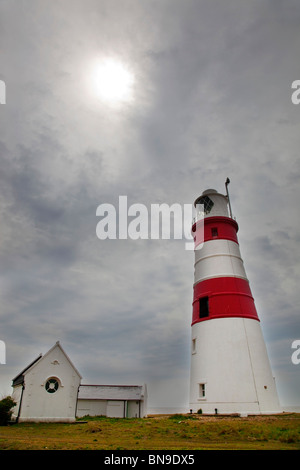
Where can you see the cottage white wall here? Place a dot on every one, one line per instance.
(91, 408)
(133, 409)
(16, 396)
(115, 409)
(144, 402)
(111, 408)
(37, 403)
(113, 401)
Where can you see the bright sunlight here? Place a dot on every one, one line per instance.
(114, 82)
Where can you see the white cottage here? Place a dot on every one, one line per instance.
(47, 389)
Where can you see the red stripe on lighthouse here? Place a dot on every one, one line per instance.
(215, 228)
(223, 297)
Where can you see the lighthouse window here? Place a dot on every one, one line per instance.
(201, 390)
(214, 232)
(203, 307)
(207, 202)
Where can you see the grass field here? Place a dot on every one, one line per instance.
(172, 432)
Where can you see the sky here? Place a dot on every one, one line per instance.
(210, 99)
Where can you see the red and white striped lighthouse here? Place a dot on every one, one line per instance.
(230, 369)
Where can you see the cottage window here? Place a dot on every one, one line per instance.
(52, 385)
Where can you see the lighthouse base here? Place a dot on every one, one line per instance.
(241, 409)
(230, 369)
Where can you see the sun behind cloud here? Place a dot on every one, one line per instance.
(113, 82)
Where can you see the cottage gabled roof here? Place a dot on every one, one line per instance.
(19, 379)
(57, 344)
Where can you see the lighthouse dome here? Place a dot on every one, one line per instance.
(213, 203)
(209, 191)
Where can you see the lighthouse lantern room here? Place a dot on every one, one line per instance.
(230, 369)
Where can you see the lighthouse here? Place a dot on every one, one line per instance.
(230, 368)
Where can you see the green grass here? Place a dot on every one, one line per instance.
(175, 432)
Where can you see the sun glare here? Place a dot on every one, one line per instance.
(114, 82)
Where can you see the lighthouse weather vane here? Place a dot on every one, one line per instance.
(227, 193)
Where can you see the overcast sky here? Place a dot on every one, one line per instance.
(211, 99)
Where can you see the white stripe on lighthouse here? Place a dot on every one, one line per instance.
(218, 258)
